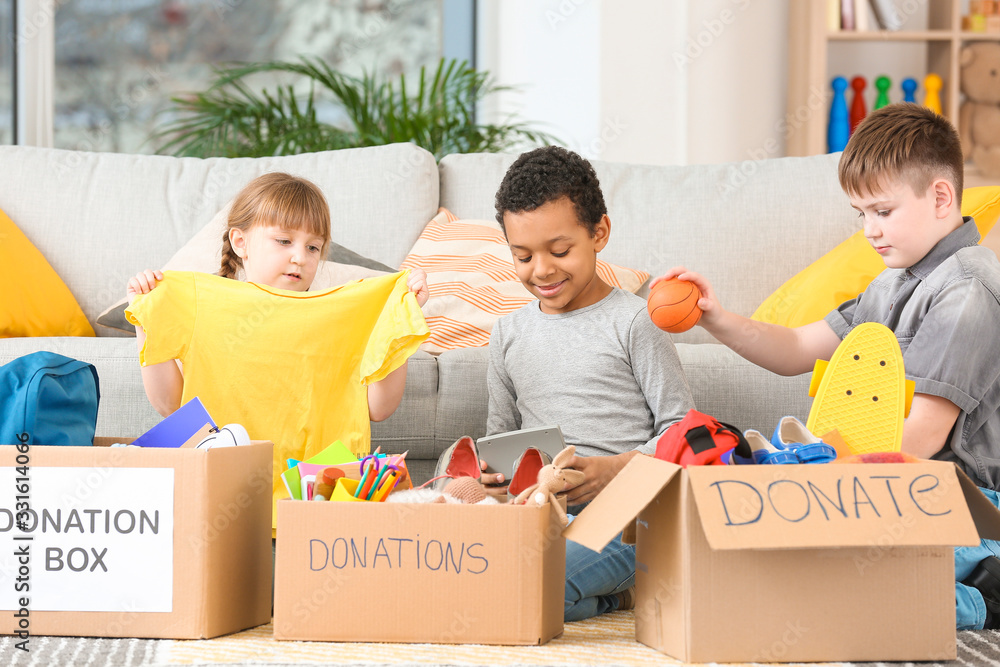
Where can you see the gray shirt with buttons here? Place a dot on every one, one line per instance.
(945, 312)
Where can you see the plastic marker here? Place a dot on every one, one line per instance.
(365, 484)
(378, 480)
(386, 487)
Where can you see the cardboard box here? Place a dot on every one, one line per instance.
(394, 572)
(129, 542)
(830, 562)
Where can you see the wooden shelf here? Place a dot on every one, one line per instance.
(809, 44)
(979, 36)
(891, 36)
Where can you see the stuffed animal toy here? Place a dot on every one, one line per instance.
(552, 479)
(466, 489)
(979, 117)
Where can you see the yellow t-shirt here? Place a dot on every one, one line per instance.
(292, 367)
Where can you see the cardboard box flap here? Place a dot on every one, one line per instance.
(621, 500)
(984, 513)
(832, 505)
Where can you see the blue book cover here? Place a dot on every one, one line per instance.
(176, 429)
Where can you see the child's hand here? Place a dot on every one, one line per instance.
(417, 282)
(598, 472)
(490, 481)
(709, 305)
(143, 282)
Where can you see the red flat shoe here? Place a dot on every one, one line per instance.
(461, 459)
(526, 469)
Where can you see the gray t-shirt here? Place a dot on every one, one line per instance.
(945, 312)
(605, 374)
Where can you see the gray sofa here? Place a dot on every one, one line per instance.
(99, 218)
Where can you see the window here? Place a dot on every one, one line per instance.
(118, 62)
(6, 71)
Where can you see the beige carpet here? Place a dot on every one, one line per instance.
(606, 641)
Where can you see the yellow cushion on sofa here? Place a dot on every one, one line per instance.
(35, 301)
(845, 271)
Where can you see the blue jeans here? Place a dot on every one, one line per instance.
(592, 578)
(970, 609)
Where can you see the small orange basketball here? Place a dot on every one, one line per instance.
(673, 305)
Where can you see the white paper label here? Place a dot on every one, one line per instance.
(94, 539)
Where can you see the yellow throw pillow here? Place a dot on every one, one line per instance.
(845, 271)
(35, 301)
(472, 280)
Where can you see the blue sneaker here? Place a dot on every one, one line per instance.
(764, 453)
(791, 435)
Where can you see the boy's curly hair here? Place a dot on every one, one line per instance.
(905, 142)
(547, 174)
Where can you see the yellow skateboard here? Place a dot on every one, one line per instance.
(862, 391)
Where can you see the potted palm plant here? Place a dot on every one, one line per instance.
(436, 112)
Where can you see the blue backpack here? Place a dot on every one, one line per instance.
(48, 399)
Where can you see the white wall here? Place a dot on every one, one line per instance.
(551, 55)
(643, 113)
(737, 55)
(645, 81)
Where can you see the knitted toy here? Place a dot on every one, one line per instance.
(466, 489)
(552, 479)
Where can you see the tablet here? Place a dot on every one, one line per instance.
(500, 451)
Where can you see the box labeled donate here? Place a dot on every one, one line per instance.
(830, 562)
(134, 542)
(395, 572)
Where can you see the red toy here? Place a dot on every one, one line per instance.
(700, 439)
(858, 108)
(673, 305)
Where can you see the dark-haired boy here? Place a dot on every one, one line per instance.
(903, 171)
(584, 356)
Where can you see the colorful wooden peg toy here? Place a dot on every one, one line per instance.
(839, 128)
(858, 108)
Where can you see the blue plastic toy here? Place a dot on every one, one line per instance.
(839, 129)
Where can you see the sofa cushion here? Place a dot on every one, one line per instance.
(738, 392)
(124, 410)
(35, 301)
(845, 271)
(746, 226)
(463, 400)
(100, 218)
(723, 384)
(203, 253)
(411, 427)
(473, 282)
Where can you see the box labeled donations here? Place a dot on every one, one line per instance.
(400, 572)
(135, 542)
(787, 563)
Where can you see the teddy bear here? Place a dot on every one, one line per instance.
(979, 116)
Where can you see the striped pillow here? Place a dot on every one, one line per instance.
(473, 282)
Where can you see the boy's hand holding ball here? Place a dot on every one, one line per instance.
(673, 305)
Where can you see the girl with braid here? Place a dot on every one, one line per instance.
(277, 233)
